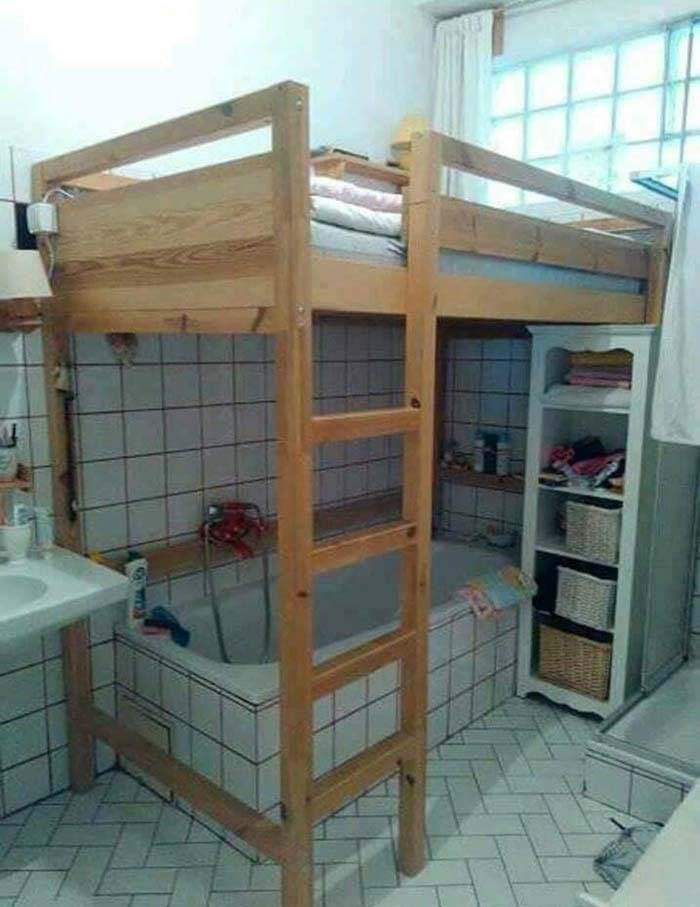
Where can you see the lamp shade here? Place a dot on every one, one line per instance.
(22, 275)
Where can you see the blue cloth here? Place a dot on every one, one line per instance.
(161, 617)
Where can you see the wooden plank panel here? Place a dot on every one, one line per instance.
(254, 828)
(365, 424)
(358, 546)
(224, 202)
(78, 685)
(344, 285)
(333, 674)
(229, 118)
(350, 779)
(222, 293)
(469, 227)
(200, 321)
(187, 264)
(482, 162)
(469, 296)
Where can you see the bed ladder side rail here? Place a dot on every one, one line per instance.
(290, 151)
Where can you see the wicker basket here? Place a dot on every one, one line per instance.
(585, 599)
(593, 532)
(574, 662)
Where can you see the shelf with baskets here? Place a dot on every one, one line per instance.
(597, 554)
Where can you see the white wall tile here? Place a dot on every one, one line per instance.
(8, 237)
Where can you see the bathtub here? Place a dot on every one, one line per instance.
(223, 718)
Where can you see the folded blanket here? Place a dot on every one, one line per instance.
(355, 217)
(615, 374)
(356, 195)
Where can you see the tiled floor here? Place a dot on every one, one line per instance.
(508, 827)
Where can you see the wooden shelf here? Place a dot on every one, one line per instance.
(23, 482)
(482, 479)
(337, 165)
(601, 493)
(187, 557)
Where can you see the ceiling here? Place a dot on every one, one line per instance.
(444, 8)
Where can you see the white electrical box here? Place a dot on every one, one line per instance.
(42, 217)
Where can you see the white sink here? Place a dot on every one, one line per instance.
(23, 590)
(41, 594)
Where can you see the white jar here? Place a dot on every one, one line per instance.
(16, 541)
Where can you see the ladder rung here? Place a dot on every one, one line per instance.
(349, 780)
(362, 660)
(343, 550)
(366, 424)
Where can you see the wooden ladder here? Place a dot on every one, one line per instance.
(306, 801)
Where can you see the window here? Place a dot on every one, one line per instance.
(596, 115)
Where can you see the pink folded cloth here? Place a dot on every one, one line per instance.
(343, 191)
(619, 374)
(599, 382)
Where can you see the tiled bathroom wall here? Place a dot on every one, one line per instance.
(486, 389)
(192, 421)
(33, 753)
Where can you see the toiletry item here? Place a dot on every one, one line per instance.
(503, 456)
(490, 445)
(8, 463)
(136, 569)
(479, 448)
(16, 541)
(44, 529)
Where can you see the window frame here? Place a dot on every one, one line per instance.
(664, 137)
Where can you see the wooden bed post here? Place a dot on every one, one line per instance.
(75, 638)
(421, 319)
(290, 144)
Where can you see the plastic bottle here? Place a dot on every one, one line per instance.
(136, 569)
(503, 456)
(479, 450)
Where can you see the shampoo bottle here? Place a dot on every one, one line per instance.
(136, 569)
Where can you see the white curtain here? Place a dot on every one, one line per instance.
(676, 407)
(462, 90)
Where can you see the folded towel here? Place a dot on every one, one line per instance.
(614, 357)
(492, 593)
(356, 195)
(355, 217)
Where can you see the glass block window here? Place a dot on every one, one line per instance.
(597, 115)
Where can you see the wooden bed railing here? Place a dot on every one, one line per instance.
(476, 228)
(189, 251)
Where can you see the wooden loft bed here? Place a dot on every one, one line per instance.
(196, 251)
(226, 249)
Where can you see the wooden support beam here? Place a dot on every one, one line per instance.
(366, 424)
(421, 330)
(358, 546)
(350, 779)
(290, 150)
(249, 825)
(243, 114)
(377, 653)
(78, 687)
(482, 162)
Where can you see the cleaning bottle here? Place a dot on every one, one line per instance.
(136, 569)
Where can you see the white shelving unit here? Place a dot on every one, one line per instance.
(657, 512)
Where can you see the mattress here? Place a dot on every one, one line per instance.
(338, 241)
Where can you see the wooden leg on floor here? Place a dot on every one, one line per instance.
(76, 673)
(298, 878)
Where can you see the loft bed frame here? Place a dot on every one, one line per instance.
(226, 249)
